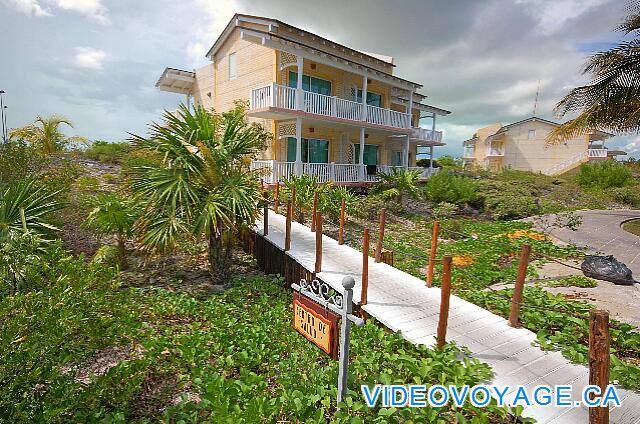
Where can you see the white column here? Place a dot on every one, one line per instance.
(364, 97)
(299, 92)
(433, 129)
(361, 158)
(298, 164)
(406, 143)
(274, 171)
(430, 158)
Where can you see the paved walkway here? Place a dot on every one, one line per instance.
(600, 231)
(403, 303)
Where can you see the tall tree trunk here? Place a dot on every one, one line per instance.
(220, 255)
(122, 253)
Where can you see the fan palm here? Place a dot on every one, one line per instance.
(203, 185)
(114, 215)
(397, 183)
(612, 100)
(24, 207)
(45, 133)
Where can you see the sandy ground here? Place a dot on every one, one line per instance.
(621, 301)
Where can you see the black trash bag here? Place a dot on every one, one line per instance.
(607, 268)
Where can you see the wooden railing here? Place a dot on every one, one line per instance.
(283, 97)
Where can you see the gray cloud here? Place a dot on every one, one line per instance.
(480, 59)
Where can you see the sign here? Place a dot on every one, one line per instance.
(316, 323)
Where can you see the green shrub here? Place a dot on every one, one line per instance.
(18, 160)
(504, 200)
(450, 162)
(603, 174)
(627, 195)
(369, 207)
(103, 151)
(444, 210)
(449, 188)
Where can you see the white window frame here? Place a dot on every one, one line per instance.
(232, 60)
(531, 134)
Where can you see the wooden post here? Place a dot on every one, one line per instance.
(314, 211)
(432, 254)
(445, 294)
(265, 219)
(365, 267)
(277, 197)
(383, 217)
(599, 360)
(287, 234)
(318, 220)
(293, 201)
(519, 288)
(341, 230)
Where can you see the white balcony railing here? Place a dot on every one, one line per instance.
(495, 152)
(271, 171)
(597, 153)
(283, 97)
(423, 134)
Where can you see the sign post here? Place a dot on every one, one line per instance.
(319, 327)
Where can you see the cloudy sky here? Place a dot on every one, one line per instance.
(96, 61)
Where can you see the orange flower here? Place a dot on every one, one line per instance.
(462, 260)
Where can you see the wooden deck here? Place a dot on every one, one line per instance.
(403, 303)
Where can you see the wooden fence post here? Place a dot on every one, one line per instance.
(432, 253)
(445, 295)
(516, 300)
(265, 219)
(341, 230)
(599, 360)
(314, 212)
(277, 197)
(287, 234)
(383, 217)
(365, 267)
(293, 203)
(318, 267)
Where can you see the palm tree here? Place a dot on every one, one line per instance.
(203, 185)
(612, 100)
(114, 215)
(397, 183)
(45, 133)
(25, 207)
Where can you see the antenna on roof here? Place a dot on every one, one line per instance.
(535, 104)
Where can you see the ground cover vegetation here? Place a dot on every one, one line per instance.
(482, 235)
(89, 339)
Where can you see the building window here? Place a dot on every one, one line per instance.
(370, 154)
(531, 135)
(313, 150)
(312, 84)
(373, 99)
(232, 66)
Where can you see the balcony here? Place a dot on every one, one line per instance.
(272, 171)
(425, 135)
(495, 152)
(597, 153)
(276, 98)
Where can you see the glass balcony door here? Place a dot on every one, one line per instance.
(313, 150)
(370, 154)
